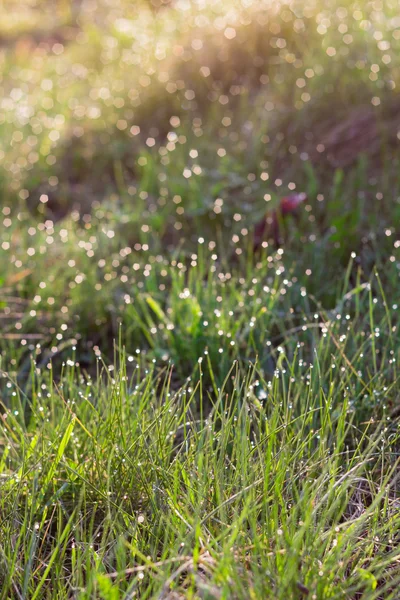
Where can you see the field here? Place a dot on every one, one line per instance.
(190, 409)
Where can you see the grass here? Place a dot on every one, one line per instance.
(183, 416)
(120, 485)
(266, 477)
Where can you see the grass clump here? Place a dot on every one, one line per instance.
(120, 485)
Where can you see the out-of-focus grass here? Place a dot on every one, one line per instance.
(255, 79)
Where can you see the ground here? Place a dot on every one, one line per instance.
(189, 410)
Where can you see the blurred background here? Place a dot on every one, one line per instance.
(142, 142)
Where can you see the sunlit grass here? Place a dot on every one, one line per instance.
(183, 416)
(109, 85)
(124, 485)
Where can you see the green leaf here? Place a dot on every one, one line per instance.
(156, 308)
(368, 577)
(59, 454)
(107, 590)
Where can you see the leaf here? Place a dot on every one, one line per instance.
(107, 590)
(288, 204)
(18, 276)
(368, 578)
(29, 453)
(337, 179)
(59, 455)
(156, 308)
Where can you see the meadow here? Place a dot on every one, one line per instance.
(188, 411)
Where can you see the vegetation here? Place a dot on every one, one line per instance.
(184, 415)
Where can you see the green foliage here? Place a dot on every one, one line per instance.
(123, 484)
(181, 416)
